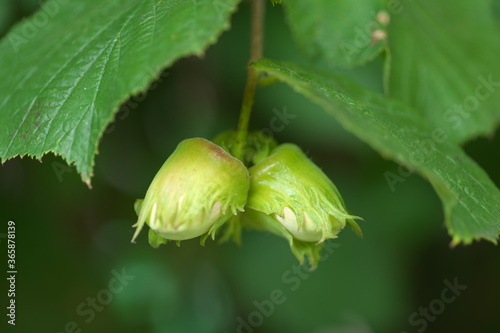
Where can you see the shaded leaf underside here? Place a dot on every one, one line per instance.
(471, 200)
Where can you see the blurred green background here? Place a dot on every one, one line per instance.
(72, 241)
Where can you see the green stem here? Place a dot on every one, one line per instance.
(249, 93)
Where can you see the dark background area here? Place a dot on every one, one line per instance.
(71, 241)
